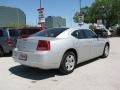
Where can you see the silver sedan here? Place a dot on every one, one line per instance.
(60, 48)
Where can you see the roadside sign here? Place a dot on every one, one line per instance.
(41, 16)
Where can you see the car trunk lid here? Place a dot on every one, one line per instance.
(31, 43)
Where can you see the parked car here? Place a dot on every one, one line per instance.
(60, 48)
(103, 33)
(26, 32)
(8, 38)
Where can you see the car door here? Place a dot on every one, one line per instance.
(82, 45)
(96, 43)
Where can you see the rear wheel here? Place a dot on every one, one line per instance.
(106, 51)
(68, 63)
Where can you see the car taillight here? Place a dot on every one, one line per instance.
(43, 45)
(10, 42)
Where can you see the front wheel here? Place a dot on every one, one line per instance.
(68, 63)
(106, 51)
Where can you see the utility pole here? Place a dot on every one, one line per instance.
(80, 5)
(40, 3)
(41, 17)
(81, 15)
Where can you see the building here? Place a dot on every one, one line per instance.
(12, 17)
(55, 21)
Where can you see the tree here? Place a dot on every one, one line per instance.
(76, 17)
(107, 10)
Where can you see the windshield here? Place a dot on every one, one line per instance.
(50, 32)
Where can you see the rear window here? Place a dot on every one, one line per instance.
(50, 32)
(29, 31)
(1, 33)
(13, 33)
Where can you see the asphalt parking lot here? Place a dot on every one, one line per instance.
(97, 74)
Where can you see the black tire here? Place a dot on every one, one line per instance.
(1, 52)
(106, 53)
(63, 67)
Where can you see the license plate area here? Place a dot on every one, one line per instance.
(23, 57)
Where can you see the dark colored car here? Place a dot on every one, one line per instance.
(8, 39)
(26, 32)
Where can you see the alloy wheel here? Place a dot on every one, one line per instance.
(70, 62)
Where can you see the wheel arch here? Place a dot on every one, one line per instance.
(74, 51)
(62, 67)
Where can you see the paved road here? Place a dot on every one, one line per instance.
(98, 74)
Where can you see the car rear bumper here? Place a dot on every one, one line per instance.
(42, 60)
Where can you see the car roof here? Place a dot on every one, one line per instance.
(84, 26)
(68, 31)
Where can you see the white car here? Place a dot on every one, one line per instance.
(60, 48)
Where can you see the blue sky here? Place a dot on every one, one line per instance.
(64, 8)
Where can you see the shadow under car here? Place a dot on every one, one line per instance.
(38, 74)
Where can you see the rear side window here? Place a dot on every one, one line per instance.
(13, 33)
(1, 33)
(78, 34)
(50, 32)
(101, 33)
(89, 34)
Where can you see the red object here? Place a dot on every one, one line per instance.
(25, 35)
(43, 45)
(42, 28)
(41, 23)
(10, 42)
